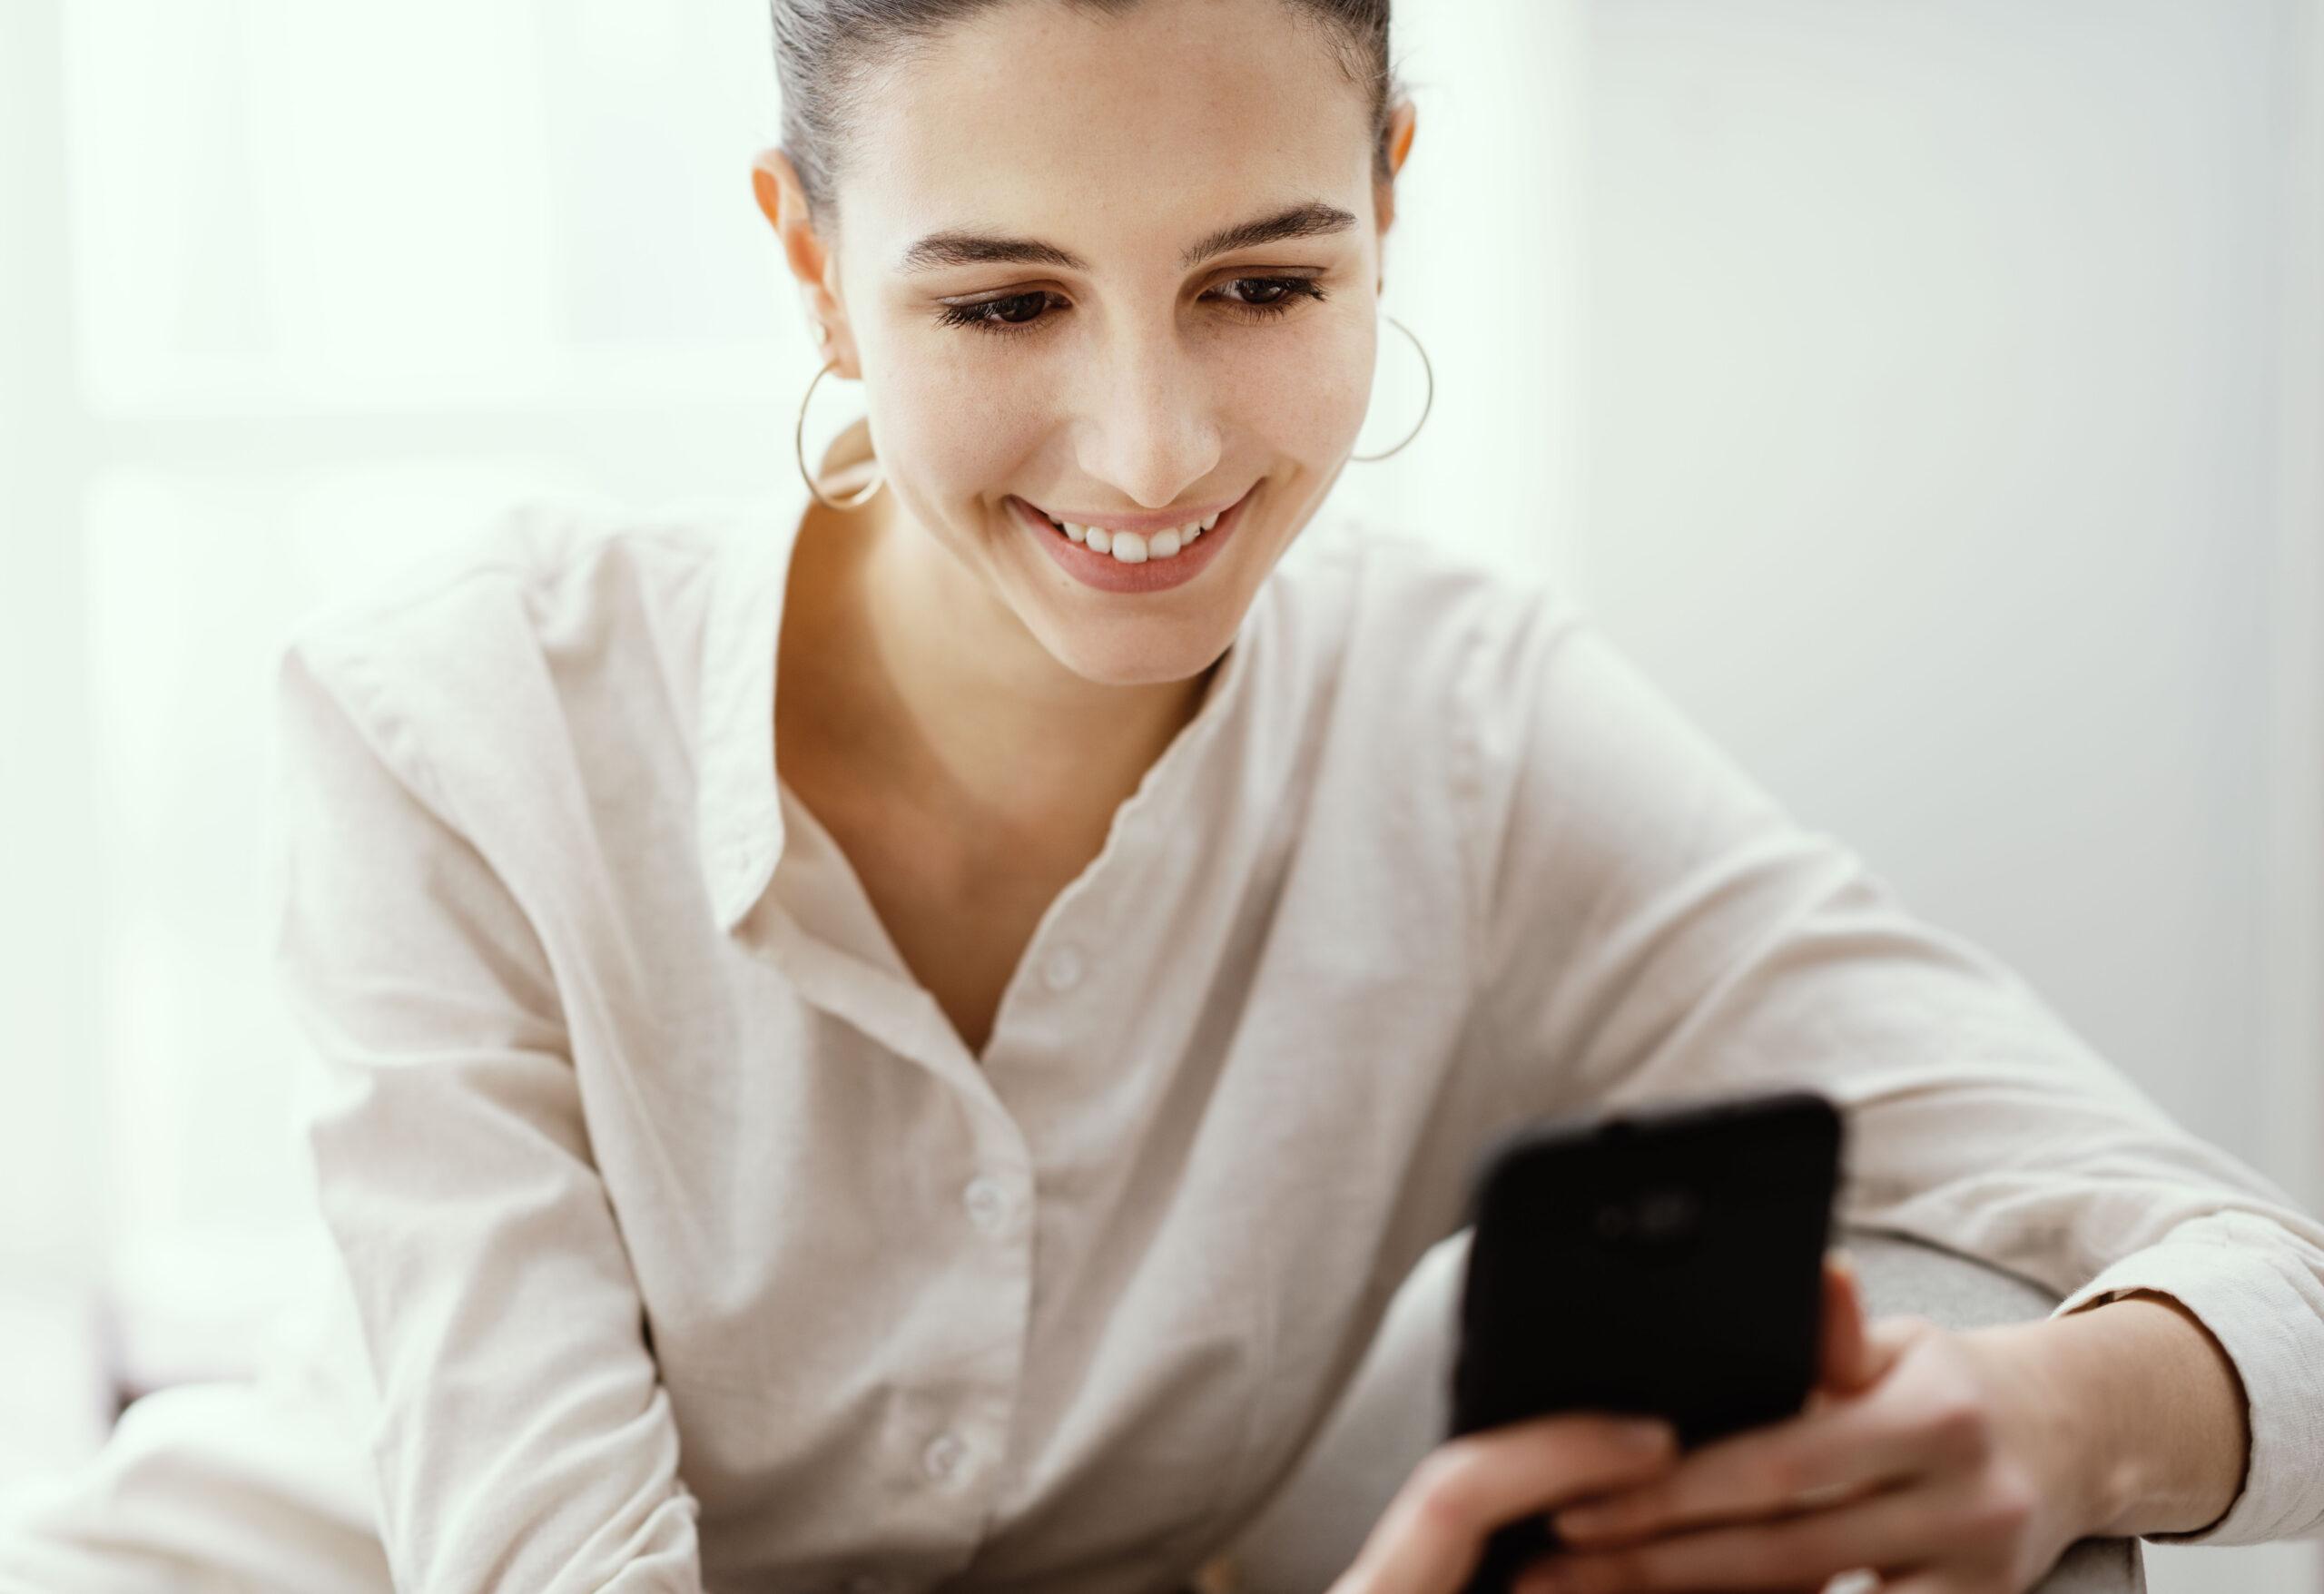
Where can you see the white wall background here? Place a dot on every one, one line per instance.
(1927, 391)
(1932, 406)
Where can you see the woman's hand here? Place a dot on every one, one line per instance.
(1944, 1461)
(1432, 1534)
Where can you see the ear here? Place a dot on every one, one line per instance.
(1399, 138)
(1402, 118)
(782, 199)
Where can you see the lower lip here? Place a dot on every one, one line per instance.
(1108, 573)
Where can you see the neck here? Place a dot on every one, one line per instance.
(927, 680)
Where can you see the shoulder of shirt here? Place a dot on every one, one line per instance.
(1408, 586)
(517, 566)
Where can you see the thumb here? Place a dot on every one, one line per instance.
(1848, 1359)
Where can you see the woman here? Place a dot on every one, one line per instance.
(978, 1154)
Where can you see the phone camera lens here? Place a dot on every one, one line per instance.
(1666, 1215)
(1655, 1218)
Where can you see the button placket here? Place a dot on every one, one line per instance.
(942, 1458)
(1063, 968)
(987, 1202)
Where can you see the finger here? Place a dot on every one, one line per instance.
(1900, 1526)
(1816, 1457)
(1432, 1533)
(1519, 1583)
(1525, 1580)
(1921, 1580)
(1845, 1358)
(1878, 1343)
(1888, 1338)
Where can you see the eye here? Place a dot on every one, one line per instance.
(996, 315)
(1018, 314)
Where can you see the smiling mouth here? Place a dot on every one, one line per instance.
(1135, 547)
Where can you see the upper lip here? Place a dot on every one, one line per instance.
(1142, 521)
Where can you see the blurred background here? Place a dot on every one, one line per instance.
(1929, 393)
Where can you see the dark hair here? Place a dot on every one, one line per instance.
(831, 57)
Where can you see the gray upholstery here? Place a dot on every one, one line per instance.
(1394, 1413)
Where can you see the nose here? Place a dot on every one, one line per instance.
(1146, 425)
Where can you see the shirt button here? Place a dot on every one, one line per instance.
(943, 1456)
(987, 1202)
(1063, 971)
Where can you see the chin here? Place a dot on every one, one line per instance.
(1135, 656)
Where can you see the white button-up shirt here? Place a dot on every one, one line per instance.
(688, 1247)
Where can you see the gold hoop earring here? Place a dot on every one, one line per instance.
(798, 447)
(1426, 404)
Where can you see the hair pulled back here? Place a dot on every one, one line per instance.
(834, 57)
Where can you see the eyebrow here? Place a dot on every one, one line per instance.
(1309, 220)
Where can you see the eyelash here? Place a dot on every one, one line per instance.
(974, 318)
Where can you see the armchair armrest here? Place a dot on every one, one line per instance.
(1394, 1410)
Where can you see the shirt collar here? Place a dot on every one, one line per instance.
(738, 810)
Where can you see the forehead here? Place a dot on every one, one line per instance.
(1141, 128)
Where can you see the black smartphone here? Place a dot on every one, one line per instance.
(1667, 1261)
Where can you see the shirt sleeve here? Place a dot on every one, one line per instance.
(1654, 926)
(523, 1438)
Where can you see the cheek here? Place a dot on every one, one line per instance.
(1303, 388)
(1314, 386)
(961, 423)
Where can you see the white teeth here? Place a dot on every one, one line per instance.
(1132, 547)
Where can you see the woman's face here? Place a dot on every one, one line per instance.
(1099, 372)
